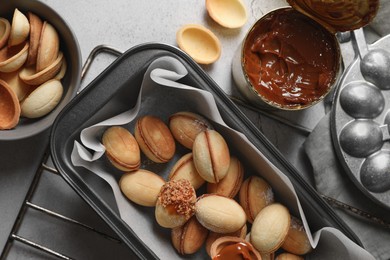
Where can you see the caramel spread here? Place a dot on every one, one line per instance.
(290, 60)
(178, 196)
(235, 251)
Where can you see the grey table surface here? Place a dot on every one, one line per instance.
(124, 24)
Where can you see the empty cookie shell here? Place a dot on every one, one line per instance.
(20, 88)
(20, 28)
(5, 29)
(43, 99)
(10, 108)
(230, 13)
(48, 48)
(199, 42)
(11, 59)
(62, 71)
(35, 34)
(32, 77)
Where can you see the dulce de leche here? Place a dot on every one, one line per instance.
(237, 251)
(290, 60)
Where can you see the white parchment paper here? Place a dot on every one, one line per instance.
(161, 95)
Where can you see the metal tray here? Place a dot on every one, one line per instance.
(125, 75)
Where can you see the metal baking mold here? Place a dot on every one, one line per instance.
(360, 121)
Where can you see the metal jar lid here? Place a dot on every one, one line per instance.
(338, 16)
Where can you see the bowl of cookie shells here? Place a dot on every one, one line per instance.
(40, 67)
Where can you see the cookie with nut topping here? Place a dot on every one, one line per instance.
(175, 203)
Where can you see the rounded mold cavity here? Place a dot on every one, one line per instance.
(361, 99)
(361, 138)
(387, 118)
(361, 122)
(375, 68)
(374, 173)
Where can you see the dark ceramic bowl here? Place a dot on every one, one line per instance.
(68, 45)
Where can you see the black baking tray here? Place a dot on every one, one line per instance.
(125, 74)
